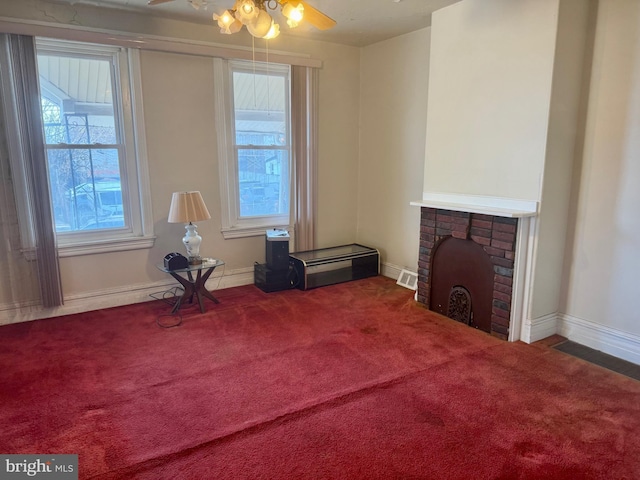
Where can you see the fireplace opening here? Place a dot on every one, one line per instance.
(462, 282)
(473, 251)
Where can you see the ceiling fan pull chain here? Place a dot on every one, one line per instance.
(268, 82)
(253, 55)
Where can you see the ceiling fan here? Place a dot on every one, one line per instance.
(254, 15)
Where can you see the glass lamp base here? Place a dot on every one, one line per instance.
(192, 242)
(195, 260)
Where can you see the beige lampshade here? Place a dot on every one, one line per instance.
(187, 207)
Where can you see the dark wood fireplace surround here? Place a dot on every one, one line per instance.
(485, 271)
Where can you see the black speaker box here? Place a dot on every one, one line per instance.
(278, 255)
(269, 280)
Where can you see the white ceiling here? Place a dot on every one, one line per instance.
(359, 22)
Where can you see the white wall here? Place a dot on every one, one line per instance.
(490, 84)
(565, 131)
(602, 273)
(393, 110)
(338, 149)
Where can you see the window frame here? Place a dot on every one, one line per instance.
(233, 224)
(129, 123)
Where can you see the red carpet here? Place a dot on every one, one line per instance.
(350, 381)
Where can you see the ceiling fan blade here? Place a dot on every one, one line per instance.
(317, 18)
(158, 2)
(312, 15)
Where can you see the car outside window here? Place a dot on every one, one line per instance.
(97, 171)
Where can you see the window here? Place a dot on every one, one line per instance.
(253, 118)
(93, 141)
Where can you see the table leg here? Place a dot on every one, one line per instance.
(195, 287)
(188, 291)
(189, 274)
(203, 290)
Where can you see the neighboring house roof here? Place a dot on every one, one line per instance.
(88, 81)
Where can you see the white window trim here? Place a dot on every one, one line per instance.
(137, 198)
(232, 225)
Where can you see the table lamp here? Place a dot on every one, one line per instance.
(188, 207)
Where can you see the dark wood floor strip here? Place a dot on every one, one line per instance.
(599, 358)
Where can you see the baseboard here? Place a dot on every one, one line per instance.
(539, 328)
(390, 270)
(116, 297)
(600, 337)
(129, 294)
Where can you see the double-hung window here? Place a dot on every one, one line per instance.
(94, 146)
(254, 135)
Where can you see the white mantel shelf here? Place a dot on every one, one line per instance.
(501, 207)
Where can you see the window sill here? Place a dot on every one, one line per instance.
(106, 246)
(251, 231)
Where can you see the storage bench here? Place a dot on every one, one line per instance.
(326, 266)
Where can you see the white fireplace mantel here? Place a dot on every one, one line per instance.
(502, 207)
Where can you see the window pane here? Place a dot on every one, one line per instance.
(77, 99)
(264, 182)
(259, 103)
(256, 156)
(86, 191)
(52, 119)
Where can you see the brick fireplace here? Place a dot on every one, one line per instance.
(496, 237)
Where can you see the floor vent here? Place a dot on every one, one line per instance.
(408, 279)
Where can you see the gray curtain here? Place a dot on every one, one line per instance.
(304, 126)
(20, 75)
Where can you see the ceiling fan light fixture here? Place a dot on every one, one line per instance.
(273, 32)
(246, 11)
(254, 15)
(224, 20)
(233, 28)
(261, 25)
(293, 14)
(227, 22)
